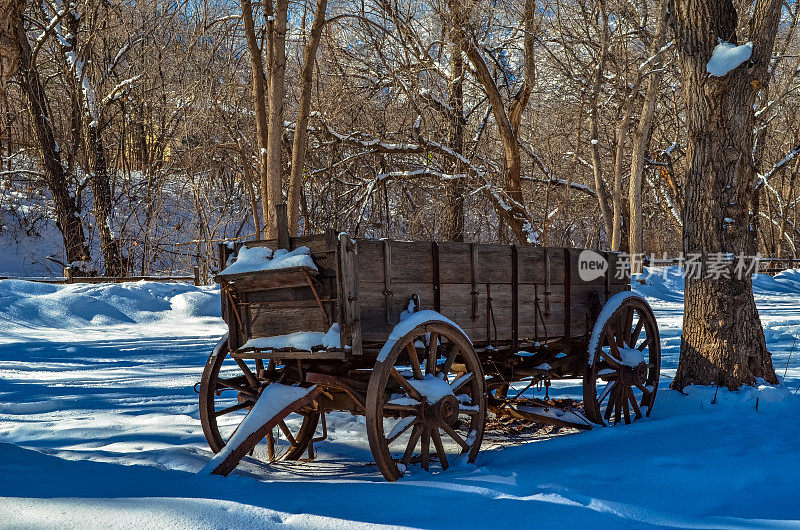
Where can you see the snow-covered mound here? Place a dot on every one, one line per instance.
(75, 305)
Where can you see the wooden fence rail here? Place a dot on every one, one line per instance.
(70, 277)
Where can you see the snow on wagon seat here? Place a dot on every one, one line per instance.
(256, 259)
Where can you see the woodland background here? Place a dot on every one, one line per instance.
(555, 122)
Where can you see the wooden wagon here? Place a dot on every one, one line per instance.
(425, 339)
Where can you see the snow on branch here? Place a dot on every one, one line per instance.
(118, 90)
(727, 56)
(763, 179)
(656, 55)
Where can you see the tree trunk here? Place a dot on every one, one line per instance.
(599, 184)
(723, 341)
(512, 211)
(68, 217)
(453, 215)
(101, 189)
(103, 207)
(300, 143)
(276, 91)
(641, 141)
(11, 12)
(259, 102)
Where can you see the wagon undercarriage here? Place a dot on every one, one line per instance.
(427, 341)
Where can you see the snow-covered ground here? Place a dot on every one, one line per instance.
(99, 428)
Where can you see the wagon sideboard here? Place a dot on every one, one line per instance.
(498, 294)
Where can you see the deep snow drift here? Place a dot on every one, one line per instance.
(99, 427)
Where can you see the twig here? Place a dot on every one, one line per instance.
(790, 356)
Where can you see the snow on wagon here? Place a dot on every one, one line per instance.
(422, 338)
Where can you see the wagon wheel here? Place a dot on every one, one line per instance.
(426, 401)
(621, 378)
(229, 389)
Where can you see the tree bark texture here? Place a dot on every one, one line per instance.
(723, 341)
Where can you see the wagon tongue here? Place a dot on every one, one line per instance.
(275, 403)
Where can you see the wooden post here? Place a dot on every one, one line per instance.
(68, 274)
(387, 280)
(196, 275)
(283, 226)
(351, 309)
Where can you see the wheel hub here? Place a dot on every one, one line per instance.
(634, 375)
(443, 412)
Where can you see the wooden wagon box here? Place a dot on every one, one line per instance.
(498, 294)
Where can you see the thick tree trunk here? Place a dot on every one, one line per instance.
(300, 142)
(68, 217)
(641, 141)
(276, 91)
(723, 341)
(259, 102)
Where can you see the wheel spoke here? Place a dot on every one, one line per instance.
(410, 390)
(433, 348)
(645, 394)
(626, 331)
(456, 385)
(636, 331)
(233, 408)
(611, 402)
(625, 406)
(412, 443)
(426, 448)
(437, 443)
(286, 432)
(251, 378)
(606, 391)
(645, 344)
(229, 383)
(395, 436)
(613, 356)
(632, 399)
(412, 355)
(456, 438)
(451, 356)
(413, 409)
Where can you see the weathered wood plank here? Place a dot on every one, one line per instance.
(272, 279)
(267, 322)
